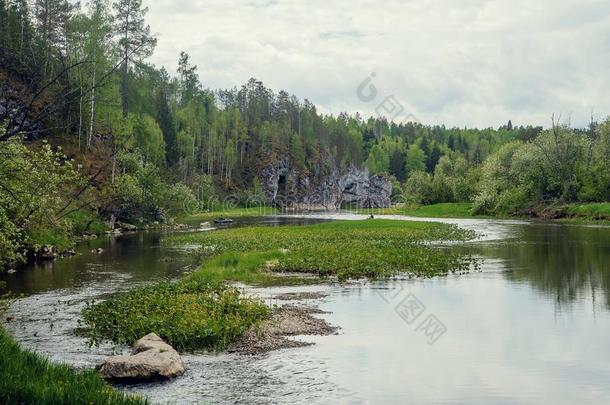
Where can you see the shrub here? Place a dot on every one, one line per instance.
(418, 189)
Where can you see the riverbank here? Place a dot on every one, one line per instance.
(444, 210)
(28, 378)
(594, 213)
(228, 212)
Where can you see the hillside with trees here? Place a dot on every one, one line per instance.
(92, 133)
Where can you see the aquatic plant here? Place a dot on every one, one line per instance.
(188, 314)
(346, 249)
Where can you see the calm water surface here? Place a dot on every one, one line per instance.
(532, 326)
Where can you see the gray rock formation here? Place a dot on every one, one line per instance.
(124, 226)
(285, 187)
(151, 359)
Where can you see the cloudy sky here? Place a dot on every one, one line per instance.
(467, 63)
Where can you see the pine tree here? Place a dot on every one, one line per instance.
(166, 120)
(189, 80)
(51, 18)
(135, 40)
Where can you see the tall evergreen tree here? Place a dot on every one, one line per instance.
(135, 40)
(51, 18)
(166, 119)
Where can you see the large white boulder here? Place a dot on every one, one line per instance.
(151, 359)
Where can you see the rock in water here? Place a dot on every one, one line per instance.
(151, 359)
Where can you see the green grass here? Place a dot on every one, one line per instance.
(27, 378)
(345, 249)
(598, 211)
(444, 210)
(51, 237)
(224, 212)
(189, 315)
(248, 268)
(85, 221)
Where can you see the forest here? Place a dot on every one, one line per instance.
(92, 134)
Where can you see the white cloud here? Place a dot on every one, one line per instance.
(474, 63)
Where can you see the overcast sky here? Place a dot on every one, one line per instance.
(467, 63)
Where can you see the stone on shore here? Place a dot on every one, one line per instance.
(151, 359)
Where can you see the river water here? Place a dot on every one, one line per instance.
(532, 325)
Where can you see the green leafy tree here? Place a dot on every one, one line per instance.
(149, 139)
(416, 160)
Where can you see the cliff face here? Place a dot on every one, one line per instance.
(17, 114)
(286, 187)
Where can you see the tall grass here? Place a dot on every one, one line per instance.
(27, 378)
(597, 211)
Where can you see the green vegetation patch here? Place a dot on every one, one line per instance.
(591, 211)
(201, 312)
(248, 268)
(27, 378)
(85, 221)
(346, 249)
(189, 315)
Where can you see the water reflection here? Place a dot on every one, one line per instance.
(564, 262)
(137, 257)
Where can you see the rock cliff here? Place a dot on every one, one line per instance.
(286, 187)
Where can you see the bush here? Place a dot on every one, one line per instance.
(418, 189)
(141, 193)
(36, 185)
(11, 243)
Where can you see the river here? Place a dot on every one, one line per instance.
(532, 325)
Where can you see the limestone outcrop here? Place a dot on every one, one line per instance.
(286, 187)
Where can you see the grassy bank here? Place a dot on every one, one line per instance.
(594, 212)
(189, 315)
(346, 249)
(228, 212)
(443, 210)
(575, 213)
(572, 213)
(27, 378)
